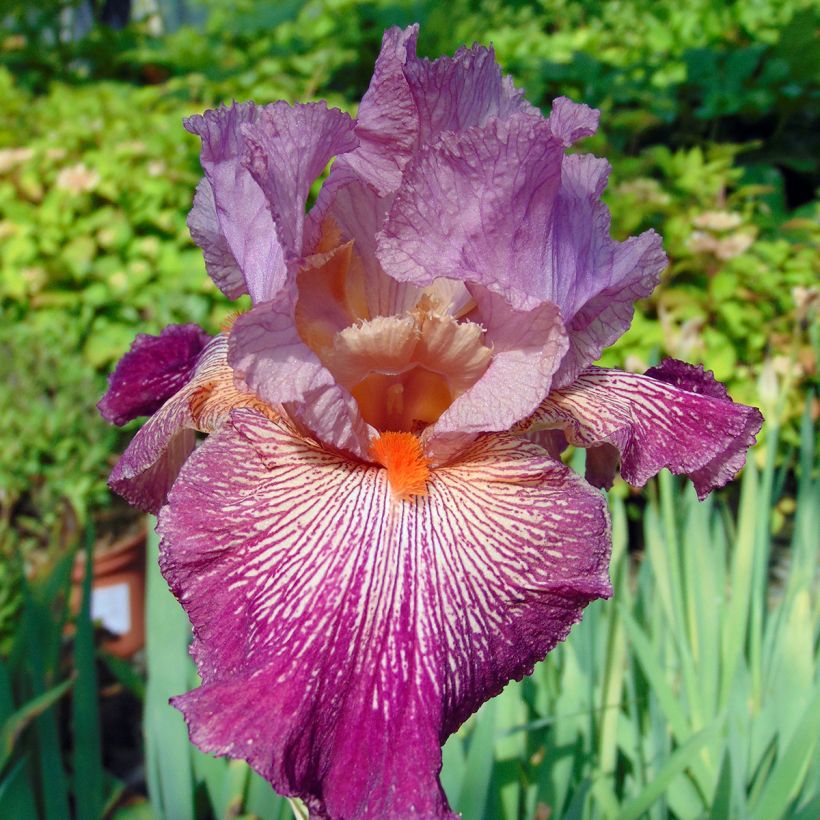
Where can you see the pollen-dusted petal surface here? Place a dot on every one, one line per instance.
(341, 634)
(694, 430)
(153, 370)
(152, 460)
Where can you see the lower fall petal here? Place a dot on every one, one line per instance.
(341, 634)
(150, 463)
(676, 416)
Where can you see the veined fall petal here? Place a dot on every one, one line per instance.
(676, 416)
(367, 629)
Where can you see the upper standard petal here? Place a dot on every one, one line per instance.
(364, 629)
(288, 147)
(242, 212)
(503, 207)
(412, 100)
(477, 207)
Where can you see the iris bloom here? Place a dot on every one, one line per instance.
(377, 533)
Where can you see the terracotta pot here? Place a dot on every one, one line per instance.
(117, 593)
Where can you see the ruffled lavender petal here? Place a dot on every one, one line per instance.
(357, 211)
(288, 147)
(203, 223)
(693, 429)
(503, 207)
(594, 279)
(411, 101)
(149, 465)
(340, 635)
(387, 120)
(270, 358)
(527, 349)
(477, 207)
(571, 121)
(461, 92)
(242, 210)
(153, 370)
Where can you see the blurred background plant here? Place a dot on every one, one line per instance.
(710, 120)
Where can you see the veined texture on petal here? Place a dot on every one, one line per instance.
(149, 465)
(341, 635)
(676, 416)
(231, 218)
(269, 356)
(288, 148)
(501, 206)
(528, 347)
(477, 207)
(411, 101)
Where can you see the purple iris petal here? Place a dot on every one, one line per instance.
(153, 370)
(693, 429)
(476, 207)
(201, 401)
(341, 637)
(259, 164)
(527, 347)
(221, 264)
(288, 147)
(271, 359)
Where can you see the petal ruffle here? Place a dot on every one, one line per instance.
(571, 121)
(149, 465)
(203, 223)
(268, 355)
(502, 206)
(153, 370)
(477, 207)
(341, 635)
(288, 147)
(676, 416)
(527, 348)
(242, 212)
(387, 121)
(594, 279)
(411, 101)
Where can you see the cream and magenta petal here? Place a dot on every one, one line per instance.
(653, 423)
(341, 635)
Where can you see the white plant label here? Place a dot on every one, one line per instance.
(111, 606)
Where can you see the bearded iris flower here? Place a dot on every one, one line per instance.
(377, 533)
